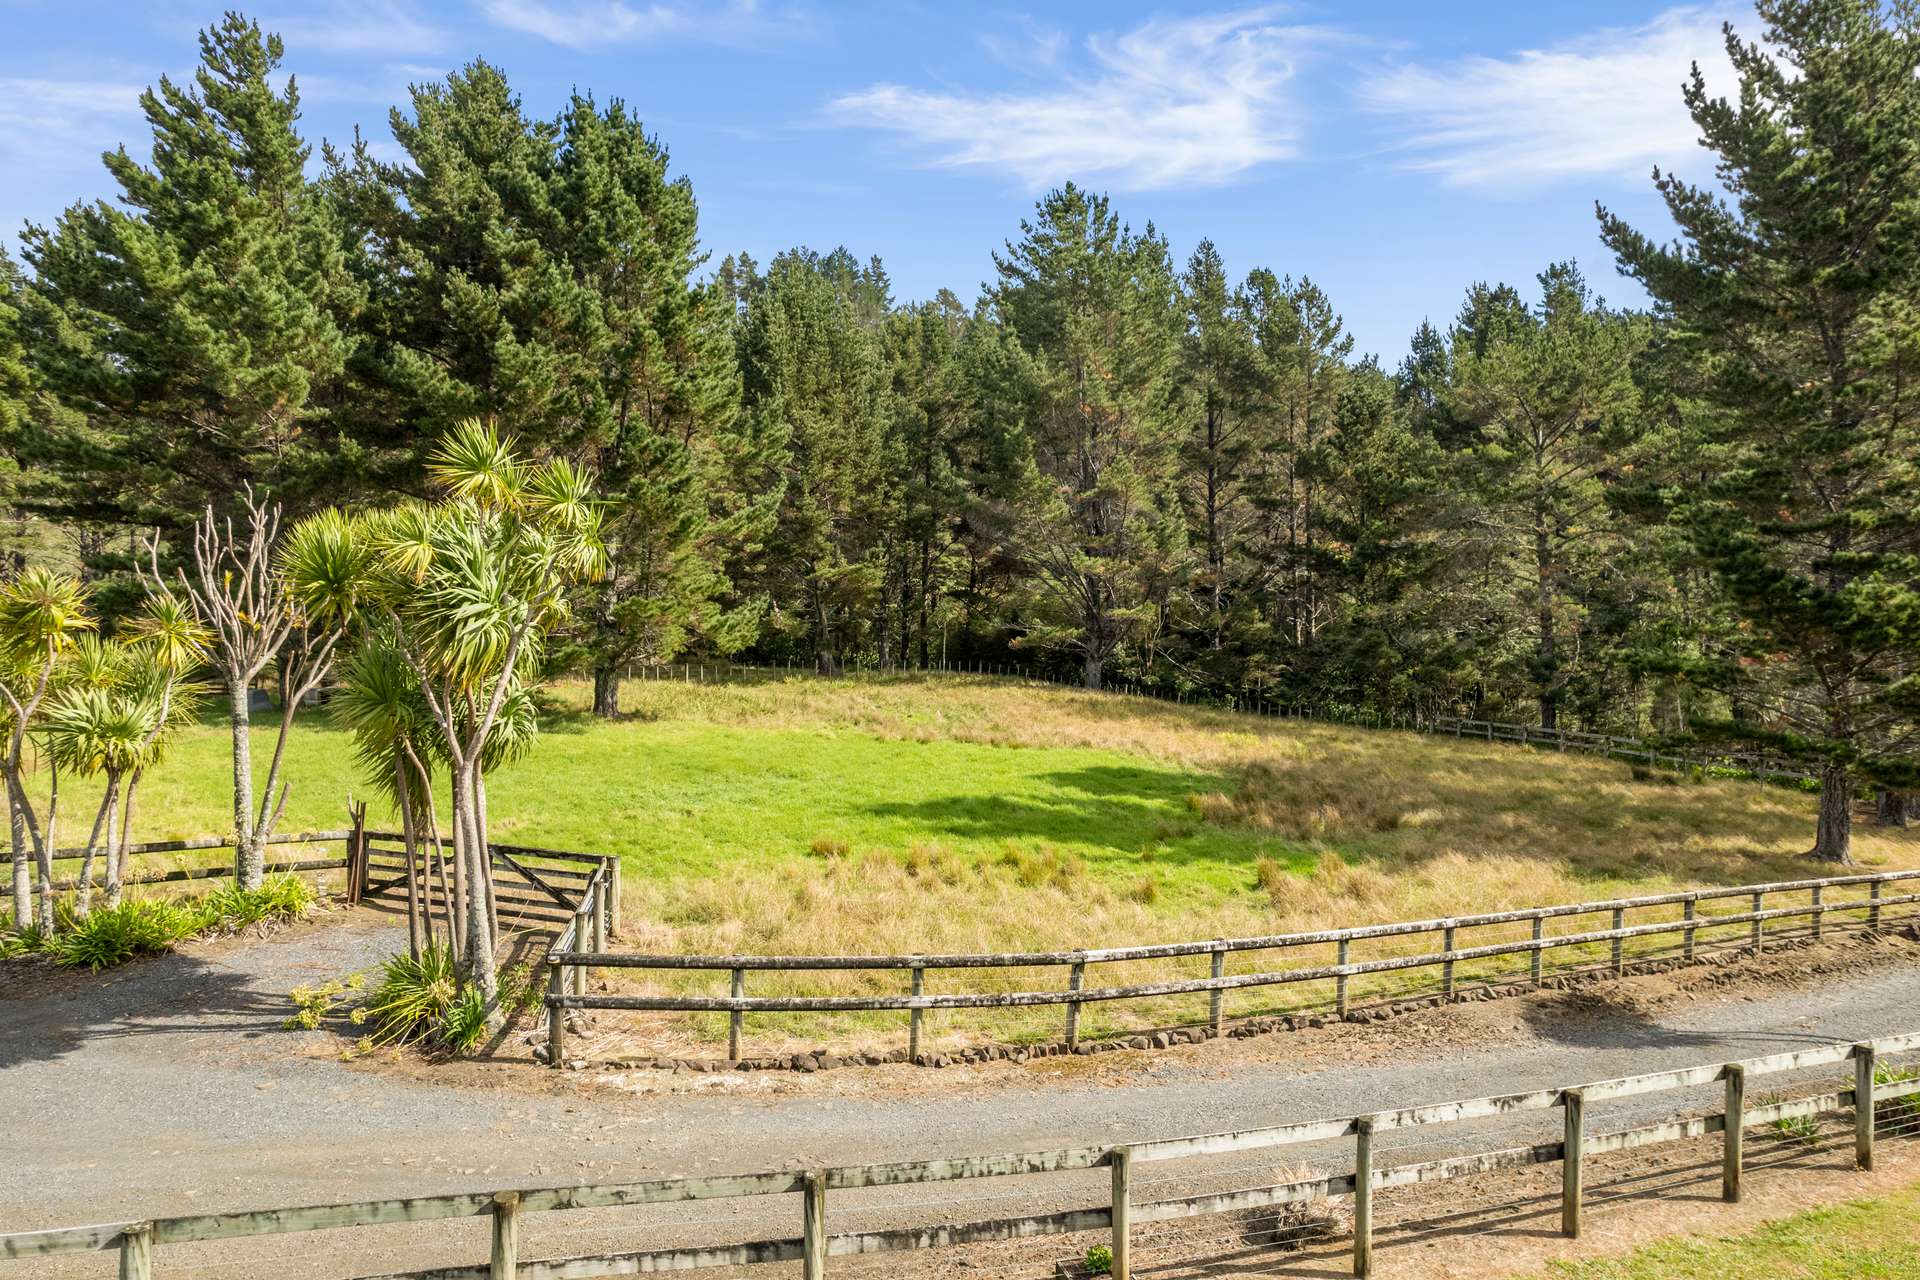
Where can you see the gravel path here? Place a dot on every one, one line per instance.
(173, 1089)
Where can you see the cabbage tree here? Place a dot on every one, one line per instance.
(470, 587)
(43, 615)
(265, 598)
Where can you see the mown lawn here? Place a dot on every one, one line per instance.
(1863, 1240)
(903, 814)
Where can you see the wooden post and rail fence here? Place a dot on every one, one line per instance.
(1808, 909)
(137, 1241)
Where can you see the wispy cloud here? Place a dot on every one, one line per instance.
(52, 119)
(1605, 104)
(1173, 101)
(592, 24)
(359, 26)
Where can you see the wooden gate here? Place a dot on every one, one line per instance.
(535, 889)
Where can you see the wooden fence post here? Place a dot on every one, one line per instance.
(1730, 1156)
(915, 1016)
(813, 1226)
(1340, 983)
(1075, 977)
(1363, 1197)
(600, 915)
(1759, 926)
(1216, 997)
(1573, 1156)
(736, 1019)
(1819, 910)
(1692, 914)
(1539, 953)
(582, 937)
(1122, 1163)
(1873, 912)
(612, 881)
(506, 1236)
(1446, 967)
(357, 856)
(136, 1252)
(556, 1016)
(1619, 944)
(1863, 1074)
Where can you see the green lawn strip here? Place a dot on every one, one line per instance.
(1860, 1240)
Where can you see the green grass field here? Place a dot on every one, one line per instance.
(906, 814)
(1863, 1240)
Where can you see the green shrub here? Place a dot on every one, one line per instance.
(413, 996)
(464, 1026)
(279, 898)
(1798, 1128)
(113, 935)
(1099, 1260)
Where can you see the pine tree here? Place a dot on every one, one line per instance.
(1091, 308)
(1226, 401)
(1795, 295)
(192, 335)
(927, 419)
(813, 375)
(1552, 403)
(541, 274)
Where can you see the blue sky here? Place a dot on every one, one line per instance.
(1394, 152)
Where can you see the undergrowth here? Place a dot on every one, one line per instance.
(109, 936)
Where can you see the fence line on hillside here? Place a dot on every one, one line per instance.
(1872, 1080)
(1604, 948)
(1610, 746)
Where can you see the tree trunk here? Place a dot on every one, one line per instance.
(22, 869)
(1895, 806)
(410, 839)
(1834, 841)
(83, 901)
(606, 692)
(249, 864)
(1092, 670)
(43, 852)
(1545, 647)
(479, 965)
(115, 871)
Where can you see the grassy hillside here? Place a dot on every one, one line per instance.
(904, 814)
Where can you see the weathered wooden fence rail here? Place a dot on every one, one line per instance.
(1873, 908)
(214, 871)
(1865, 1090)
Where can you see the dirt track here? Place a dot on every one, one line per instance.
(171, 1088)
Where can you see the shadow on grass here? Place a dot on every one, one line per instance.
(1120, 809)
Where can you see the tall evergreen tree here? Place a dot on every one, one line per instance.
(541, 274)
(1091, 307)
(813, 374)
(193, 334)
(1553, 406)
(1796, 295)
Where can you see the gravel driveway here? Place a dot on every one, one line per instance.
(172, 1088)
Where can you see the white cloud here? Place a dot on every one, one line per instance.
(593, 24)
(50, 119)
(1605, 104)
(359, 26)
(1174, 101)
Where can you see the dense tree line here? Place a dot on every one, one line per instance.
(1697, 521)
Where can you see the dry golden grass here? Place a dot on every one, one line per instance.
(1290, 826)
